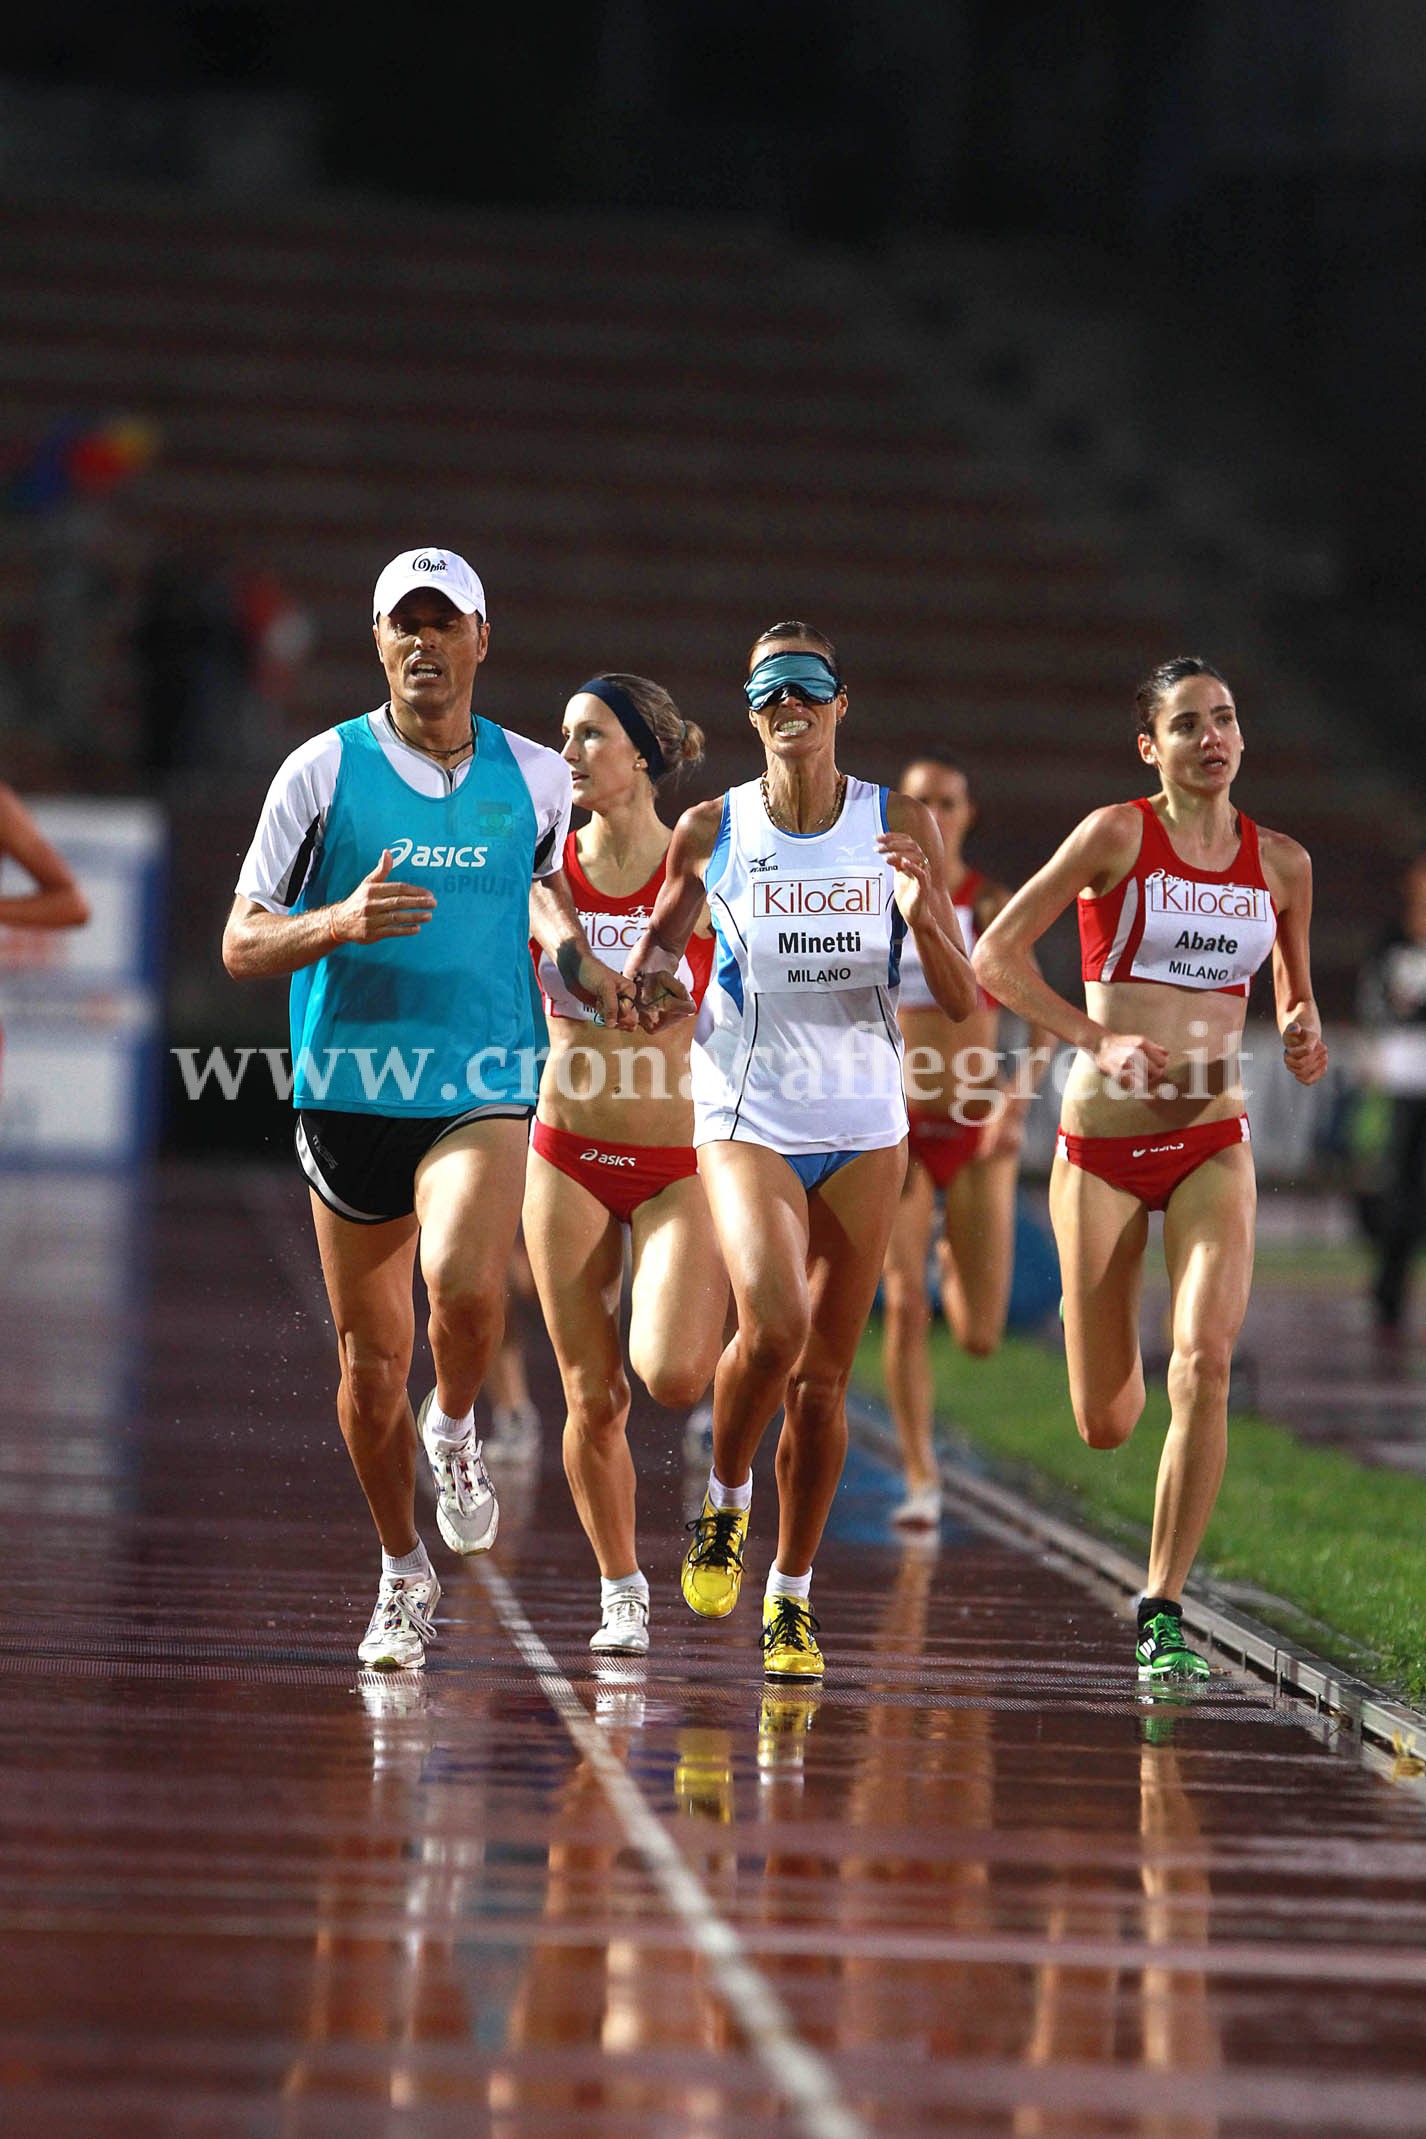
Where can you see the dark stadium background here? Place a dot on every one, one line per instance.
(1146, 283)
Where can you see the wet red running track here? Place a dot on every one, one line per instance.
(974, 1886)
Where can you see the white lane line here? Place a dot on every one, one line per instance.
(800, 2075)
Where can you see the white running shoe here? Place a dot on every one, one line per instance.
(467, 1512)
(624, 1629)
(920, 1510)
(402, 1623)
(514, 1434)
(619, 1707)
(698, 1434)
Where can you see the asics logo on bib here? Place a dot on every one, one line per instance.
(810, 897)
(1166, 894)
(405, 850)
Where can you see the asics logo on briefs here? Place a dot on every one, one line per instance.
(1165, 894)
(798, 897)
(1145, 1150)
(405, 850)
(595, 1157)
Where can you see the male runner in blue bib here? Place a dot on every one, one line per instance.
(400, 864)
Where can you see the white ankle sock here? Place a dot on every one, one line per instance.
(612, 1586)
(447, 1432)
(781, 1585)
(729, 1496)
(417, 1562)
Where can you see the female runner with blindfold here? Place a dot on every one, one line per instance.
(612, 1144)
(812, 879)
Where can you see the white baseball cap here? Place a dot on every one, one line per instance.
(429, 568)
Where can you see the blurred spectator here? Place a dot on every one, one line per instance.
(1392, 1008)
(190, 665)
(55, 497)
(215, 653)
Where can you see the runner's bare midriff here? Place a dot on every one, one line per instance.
(1200, 1027)
(638, 1093)
(949, 1064)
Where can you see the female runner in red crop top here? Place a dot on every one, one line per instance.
(967, 1122)
(612, 1146)
(1181, 899)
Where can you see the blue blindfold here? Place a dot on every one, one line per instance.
(812, 678)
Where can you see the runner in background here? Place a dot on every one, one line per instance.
(1181, 899)
(56, 900)
(812, 878)
(1391, 1004)
(967, 1113)
(415, 1038)
(514, 1419)
(611, 1158)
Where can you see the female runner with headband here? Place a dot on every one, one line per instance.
(612, 1145)
(812, 879)
(1181, 898)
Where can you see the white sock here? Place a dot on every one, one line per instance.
(447, 1432)
(612, 1586)
(416, 1563)
(781, 1585)
(729, 1496)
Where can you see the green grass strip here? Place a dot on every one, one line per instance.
(1327, 1550)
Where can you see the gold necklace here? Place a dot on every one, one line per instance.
(828, 816)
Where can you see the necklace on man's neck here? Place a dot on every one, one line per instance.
(457, 750)
(828, 816)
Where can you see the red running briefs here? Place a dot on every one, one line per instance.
(943, 1147)
(1152, 1167)
(621, 1176)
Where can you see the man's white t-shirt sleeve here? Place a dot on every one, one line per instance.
(289, 830)
(546, 775)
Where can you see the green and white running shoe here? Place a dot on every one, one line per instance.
(1163, 1653)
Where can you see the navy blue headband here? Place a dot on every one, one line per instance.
(631, 720)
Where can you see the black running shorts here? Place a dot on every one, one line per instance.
(363, 1166)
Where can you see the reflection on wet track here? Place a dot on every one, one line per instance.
(973, 1885)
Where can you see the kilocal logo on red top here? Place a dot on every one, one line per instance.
(614, 932)
(1165, 894)
(803, 897)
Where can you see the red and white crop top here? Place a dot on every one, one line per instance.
(613, 926)
(1186, 927)
(915, 992)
